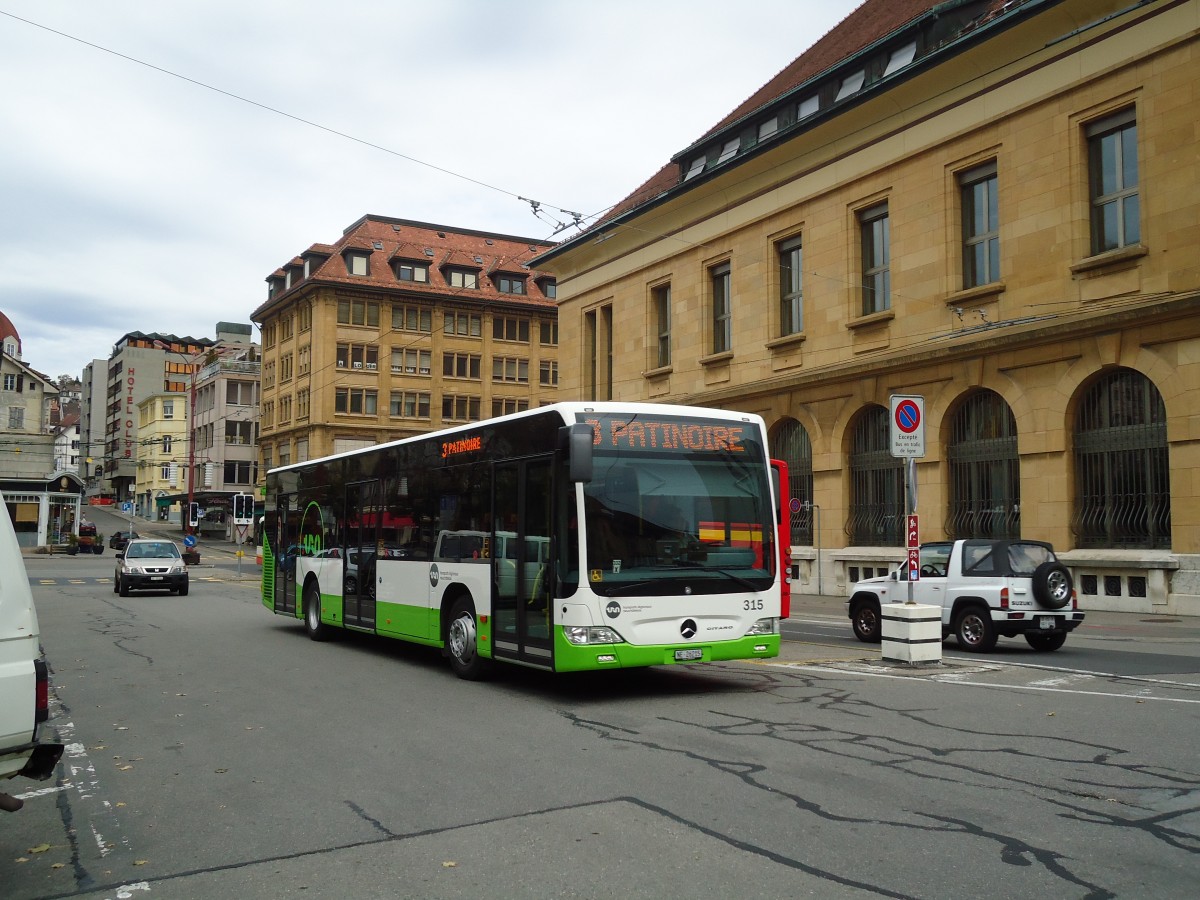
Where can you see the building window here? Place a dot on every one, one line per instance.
(981, 226)
(548, 333)
(406, 361)
(354, 400)
(807, 107)
(549, 288)
(507, 405)
(505, 328)
(1113, 177)
(239, 433)
(463, 324)
(460, 409)
(548, 376)
(791, 287)
(412, 318)
(696, 167)
(876, 484)
(303, 403)
(168, 409)
(268, 333)
(358, 264)
(1122, 469)
(462, 278)
(286, 327)
(876, 256)
(722, 312)
(167, 445)
(244, 472)
(410, 271)
(790, 442)
(597, 363)
(304, 316)
(357, 356)
(409, 404)
(10, 382)
(510, 368)
(510, 284)
(461, 365)
(358, 312)
(285, 367)
(304, 359)
(768, 129)
(984, 470)
(660, 303)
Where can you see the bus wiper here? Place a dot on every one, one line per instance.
(744, 582)
(627, 586)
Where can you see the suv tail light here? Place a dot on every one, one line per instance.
(42, 693)
(1074, 599)
(1004, 598)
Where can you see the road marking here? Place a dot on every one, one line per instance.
(1012, 687)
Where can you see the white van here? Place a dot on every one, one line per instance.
(24, 681)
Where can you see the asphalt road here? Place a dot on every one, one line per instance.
(214, 751)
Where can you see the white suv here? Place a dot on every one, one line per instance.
(986, 589)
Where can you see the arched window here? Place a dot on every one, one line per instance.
(790, 443)
(876, 484)
(985, 473)
(1122, 474)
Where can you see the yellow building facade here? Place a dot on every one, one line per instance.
(397, 329)
(993, 208)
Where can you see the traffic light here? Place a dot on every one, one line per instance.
(194, 514)
(243, 508)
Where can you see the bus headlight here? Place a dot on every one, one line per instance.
(583, 634)
(764, 626)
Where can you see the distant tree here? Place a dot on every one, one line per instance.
(65, 381)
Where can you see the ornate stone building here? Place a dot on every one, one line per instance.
(991, 205)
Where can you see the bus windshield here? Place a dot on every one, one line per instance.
(665, 518)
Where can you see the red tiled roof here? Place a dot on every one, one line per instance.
(387, 239)
(869, 23)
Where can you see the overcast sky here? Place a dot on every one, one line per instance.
(136, 200)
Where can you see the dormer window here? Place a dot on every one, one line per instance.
(807, 107)
(358, 264)
(768, 128)
(695, 168)
(510, 284)
(901, 57)
(412, 271)
(851, 84)
(549, 287)
(287, 280)
(462, 278)
(729, 150)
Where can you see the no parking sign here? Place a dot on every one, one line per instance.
(908, 426)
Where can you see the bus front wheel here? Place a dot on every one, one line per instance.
(462, 641)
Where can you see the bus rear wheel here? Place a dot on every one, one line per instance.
(317, 630)
(462, 641)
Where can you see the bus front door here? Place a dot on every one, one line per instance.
(521, 512)
(363, 512)
(287, 549)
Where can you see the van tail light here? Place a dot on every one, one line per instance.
(42, 692)
(1074, 599)
(1004, 598)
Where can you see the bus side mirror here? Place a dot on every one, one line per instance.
(577, 441)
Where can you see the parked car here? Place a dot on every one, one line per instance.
(121, 538)
(985, 588)
(24, 677)
(150, 563)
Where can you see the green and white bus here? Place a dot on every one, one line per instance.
(573, 537)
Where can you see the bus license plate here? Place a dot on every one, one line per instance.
(690, 653)
(1047, 623)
